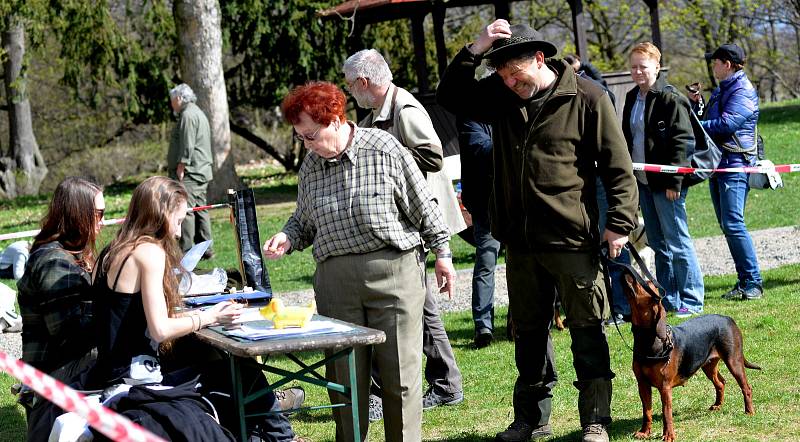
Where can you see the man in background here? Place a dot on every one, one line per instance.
(475, 145)
(189, 161)
(369, 80)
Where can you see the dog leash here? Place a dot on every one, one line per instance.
(606, 260)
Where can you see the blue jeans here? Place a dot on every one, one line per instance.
(619, 304)
(486, 251)
(729, 195)
(667, 230)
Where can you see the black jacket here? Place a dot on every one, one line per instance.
(176, 414)
(668, 136)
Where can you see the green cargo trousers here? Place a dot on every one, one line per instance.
(196, 227)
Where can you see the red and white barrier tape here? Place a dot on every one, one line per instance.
(783, 168)
(114, 426)
(108, 222)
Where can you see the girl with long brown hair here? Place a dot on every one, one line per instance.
(138, 308)
(54, 292)
(137, 302)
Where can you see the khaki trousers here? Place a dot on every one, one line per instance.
(383, 290)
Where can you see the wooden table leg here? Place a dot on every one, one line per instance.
(238, 396)
(351, 364)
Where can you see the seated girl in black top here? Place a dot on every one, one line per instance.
(137, 304)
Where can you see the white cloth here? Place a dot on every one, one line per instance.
(15, 256)
(10, 320)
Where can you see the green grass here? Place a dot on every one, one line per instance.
(770, 331)
(770, 340)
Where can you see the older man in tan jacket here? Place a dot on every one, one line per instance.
(395, 110)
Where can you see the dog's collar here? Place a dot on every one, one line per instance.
(648, 334)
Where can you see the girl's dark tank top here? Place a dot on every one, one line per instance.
(121, 326)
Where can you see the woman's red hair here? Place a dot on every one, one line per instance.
(321, 100)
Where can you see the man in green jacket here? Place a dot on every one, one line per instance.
(554, 133)
(189, 161)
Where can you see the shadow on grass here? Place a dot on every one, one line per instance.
(769, 284)
(313, 417)
(618, 430)
(120, 188)
(12, 423)
(779, 115)
(462, 331)
(281, 193)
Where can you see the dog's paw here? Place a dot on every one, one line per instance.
(715, 407)
(668, 437)
(641, 434)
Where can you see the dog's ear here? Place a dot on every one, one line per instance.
(631, 283)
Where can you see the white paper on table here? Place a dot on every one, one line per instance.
(264, 329)
(249, 314)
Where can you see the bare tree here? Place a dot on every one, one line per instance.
(200, 52)
(22, 169)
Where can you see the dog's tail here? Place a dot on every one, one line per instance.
(751, 365)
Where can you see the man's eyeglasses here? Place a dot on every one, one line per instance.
(99, 213)
(301, 138)
(348, 84)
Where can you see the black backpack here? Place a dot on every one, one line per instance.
(704, 153)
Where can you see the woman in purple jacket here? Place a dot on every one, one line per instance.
(731, 121)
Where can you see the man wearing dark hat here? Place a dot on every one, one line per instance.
(554, 133)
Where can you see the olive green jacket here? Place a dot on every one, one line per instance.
(190, 144)
(546, 165)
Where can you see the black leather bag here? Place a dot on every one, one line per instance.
(705, 155)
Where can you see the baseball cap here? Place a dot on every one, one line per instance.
(728, 52)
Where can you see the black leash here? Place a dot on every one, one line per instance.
(606, 260)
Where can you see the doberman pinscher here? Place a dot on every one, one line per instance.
(665, 357)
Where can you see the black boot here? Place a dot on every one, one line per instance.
(243, 208)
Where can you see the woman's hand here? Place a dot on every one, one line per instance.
(223, 313)
(277, 246)
(673, 195)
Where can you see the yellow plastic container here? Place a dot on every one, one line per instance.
(291, 316)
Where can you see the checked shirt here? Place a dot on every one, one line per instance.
(372, 197)
(54, 299)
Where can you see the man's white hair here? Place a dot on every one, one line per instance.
(183, 93)
(369, 64)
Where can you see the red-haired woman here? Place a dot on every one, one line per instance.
(364, 207)
(54, 293)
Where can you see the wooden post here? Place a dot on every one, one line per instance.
(418, 37)
(502, 9)
(438, 35)
(655, 24)
(579, 29)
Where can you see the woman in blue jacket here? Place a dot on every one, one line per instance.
(731, 121)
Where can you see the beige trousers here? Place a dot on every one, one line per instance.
(383, 290)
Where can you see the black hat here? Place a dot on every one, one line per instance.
(522, 37)
(727, 52)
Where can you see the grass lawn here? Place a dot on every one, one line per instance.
(770, 334)
(770, 340)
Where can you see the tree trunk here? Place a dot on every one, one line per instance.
(22, 169)
(200, 52)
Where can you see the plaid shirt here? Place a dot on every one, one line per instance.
(54, 296)
(372, 197)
